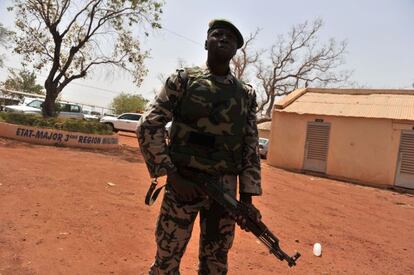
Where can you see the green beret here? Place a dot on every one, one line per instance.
(222, 23)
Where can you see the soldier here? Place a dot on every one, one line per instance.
(214, 133)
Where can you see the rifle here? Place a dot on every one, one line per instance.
(208, 185)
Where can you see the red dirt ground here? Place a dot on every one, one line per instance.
(73, 211)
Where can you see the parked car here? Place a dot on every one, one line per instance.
(125, 122)
(263, 146)
(68, 110)
(4, 101)
(26, 100)
(91, 115)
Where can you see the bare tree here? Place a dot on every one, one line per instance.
(245, 57)
(299, 60)
(70, 37)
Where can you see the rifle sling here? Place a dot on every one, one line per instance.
(152, 193)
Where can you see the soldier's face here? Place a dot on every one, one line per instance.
(221, 43)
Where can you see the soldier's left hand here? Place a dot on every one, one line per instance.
(254, 213)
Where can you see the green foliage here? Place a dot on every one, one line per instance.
(4, 35)
(71, 38)
(71, 125)
(23, 81)
(128, 103)
(4, 38)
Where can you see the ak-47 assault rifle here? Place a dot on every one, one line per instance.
(236, 208)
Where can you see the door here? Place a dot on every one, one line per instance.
(316, 146)
(133, 123)
(405, 166)
(123, 122)
(128, 122)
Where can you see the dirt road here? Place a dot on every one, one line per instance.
(72, 211)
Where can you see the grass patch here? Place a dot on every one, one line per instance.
(65, 124)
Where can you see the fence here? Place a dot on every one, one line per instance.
(8, 97)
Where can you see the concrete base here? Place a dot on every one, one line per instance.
(57, 137)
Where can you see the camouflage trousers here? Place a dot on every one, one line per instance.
(175, 225)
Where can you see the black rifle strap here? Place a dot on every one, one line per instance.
(152, 193)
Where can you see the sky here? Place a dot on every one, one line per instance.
(380, 36)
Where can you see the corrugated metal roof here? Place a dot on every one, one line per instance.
(351, 103)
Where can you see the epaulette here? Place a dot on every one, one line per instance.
(184, 74)
(182, 77)
(247, 87)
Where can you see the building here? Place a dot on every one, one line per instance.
(8, 97)
(264, 129)
(360, 135)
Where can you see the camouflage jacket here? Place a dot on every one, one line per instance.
(151, 132)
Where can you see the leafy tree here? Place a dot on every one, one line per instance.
(4, 34)
(23, 81)
(126, 103)
(298, 59)
(70, 38)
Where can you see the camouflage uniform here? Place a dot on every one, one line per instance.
(177, 217)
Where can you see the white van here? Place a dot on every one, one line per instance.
(68, 110)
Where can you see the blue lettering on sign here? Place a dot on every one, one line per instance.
(67, 137)
(22, 132)
(39, 134)
(109, 141)
(44, 134)
(89, 140)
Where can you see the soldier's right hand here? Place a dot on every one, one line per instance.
(184, 188)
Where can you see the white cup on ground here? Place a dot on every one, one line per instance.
(317, 249)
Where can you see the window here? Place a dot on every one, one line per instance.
(74, 108)
(263, 141)
(135, 117)
(130, 116)
(36, 104)
(64, 107)
(124, 116)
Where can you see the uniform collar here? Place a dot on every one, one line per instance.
(226, 79)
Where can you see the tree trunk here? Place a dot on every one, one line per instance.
(49, 105)
(270, 107)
